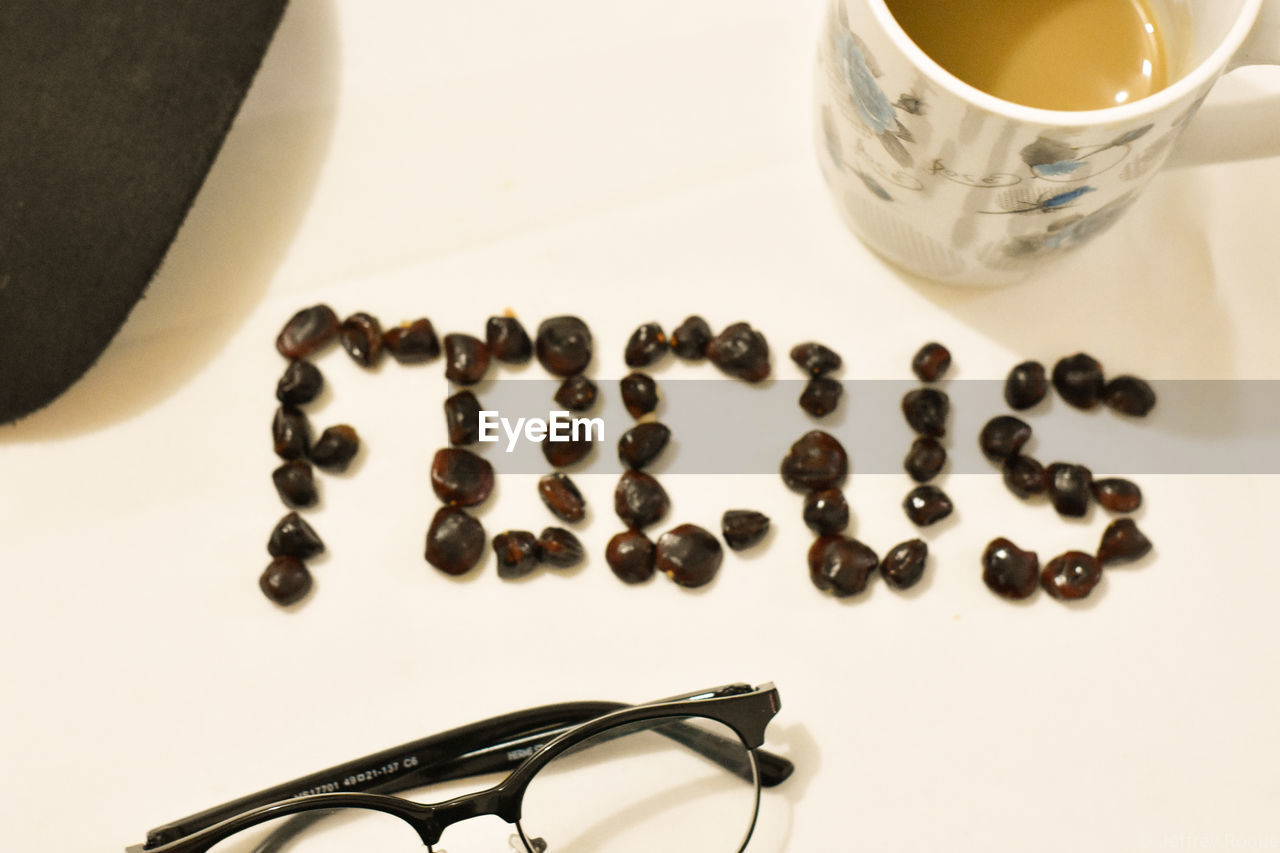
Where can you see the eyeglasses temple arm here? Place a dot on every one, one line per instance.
(505, 757)
(397, 768)
(495, 745)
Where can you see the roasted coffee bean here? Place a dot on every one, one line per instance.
(816, 461)
(816, 560)
(293, 537)
(931, 362)
(630, 555)
(826, 512)
(559, 548)
(903, 566)
(462, 418)
(841, 564)
(1117, 494)
(1071, 576)
(307, 331)
(577, 393)
(296, 484)
(517, 553)
(646, 345)
(562, 497)
(639, 500)
(286, 581)
(1129, 395)
(925, 459)
(639, 394)
(564, 345)
(1003, 436)
(460, 477)
(361, 337)
(1070, 488)
(466, 359)
(926, 505)
(301, 383)
(563, 453)
(926, 411)
(291, 433)
(815, 359)
(507, 340)
(741, 352)
(642, 444)
(691, 338)
(455, 541)
(821, 395)
(1026, 385)
(1122, 542)
(1009, 571)
(743, 528)
(1079, 380)
(336, 447)
(413, 342)
(688, 555)
(1025, 476)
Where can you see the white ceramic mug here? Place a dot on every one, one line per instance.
(957, 185)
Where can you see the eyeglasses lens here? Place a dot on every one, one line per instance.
(645, 787)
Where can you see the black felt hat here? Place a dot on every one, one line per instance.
(111, 113)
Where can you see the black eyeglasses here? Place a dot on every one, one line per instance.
(678, 774)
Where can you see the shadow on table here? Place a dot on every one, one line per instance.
(796, 743)
(1148, 285)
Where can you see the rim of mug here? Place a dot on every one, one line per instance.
(1214, 64)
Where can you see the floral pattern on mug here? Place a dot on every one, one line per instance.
(872, 184)
(1052, 159)
(872, 103)
(1071, 232)
(1050, 201)
(832, 139)
(911, 104)
(877, 113)
(1047, 157)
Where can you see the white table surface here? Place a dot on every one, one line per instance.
(624, 162)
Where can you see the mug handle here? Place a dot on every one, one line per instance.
(1239, 129)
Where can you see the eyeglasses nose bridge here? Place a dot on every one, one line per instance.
(431, 820)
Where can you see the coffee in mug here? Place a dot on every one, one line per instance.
(1051, 54)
